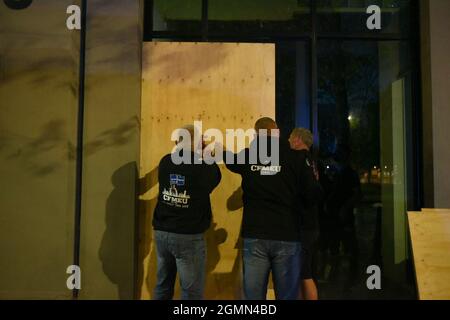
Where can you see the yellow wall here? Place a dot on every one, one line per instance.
(39, 72)
(38, 113)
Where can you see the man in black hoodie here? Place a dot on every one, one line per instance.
(270, 226)
(182, 215)
(301, 139)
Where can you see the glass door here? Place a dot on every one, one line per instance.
(363, 128)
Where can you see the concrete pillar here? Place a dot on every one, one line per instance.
(435, 52)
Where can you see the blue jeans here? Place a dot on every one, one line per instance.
(262, 256)
(185, 253)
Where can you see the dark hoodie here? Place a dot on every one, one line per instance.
(183, 202)
(271, 193)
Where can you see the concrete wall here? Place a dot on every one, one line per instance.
(435, 40)
(112, 117)
(38, 124)
(38, 112)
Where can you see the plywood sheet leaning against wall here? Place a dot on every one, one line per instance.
(226, 86)
(430, 240)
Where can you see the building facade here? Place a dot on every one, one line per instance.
(70, 124)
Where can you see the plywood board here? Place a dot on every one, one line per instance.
(226, 86)
(426, 210)
(430, 239)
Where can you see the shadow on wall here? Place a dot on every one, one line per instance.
(118, 250)
(40, 155)
(145, 233)
(233, 279)
(46, 151)
(235, 202)
(118, 136)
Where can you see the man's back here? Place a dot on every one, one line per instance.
(270, 194)
(183, 203)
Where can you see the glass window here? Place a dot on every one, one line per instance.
(180, 16)
(293, 103)
(350, 16)
(251, 16)
(364, 120)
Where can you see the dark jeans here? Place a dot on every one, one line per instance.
(262, 256)
(185, 253)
